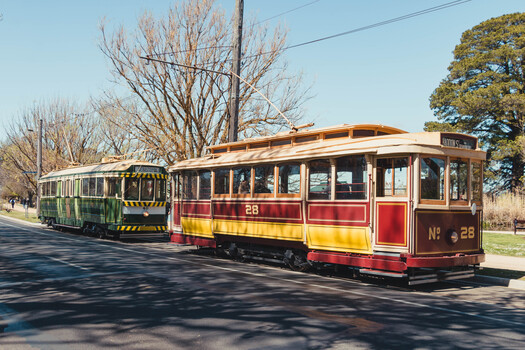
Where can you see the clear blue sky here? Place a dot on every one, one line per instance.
(385, 75)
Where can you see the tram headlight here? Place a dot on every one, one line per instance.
(145, 214)
(453, 237)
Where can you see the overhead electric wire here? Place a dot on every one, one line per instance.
(221, 47)
(286, 12)
(352, 31)
(370, 26)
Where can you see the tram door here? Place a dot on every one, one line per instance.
(338, 210)
(391, 208)
(176, 205)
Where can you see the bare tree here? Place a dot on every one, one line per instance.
(70, 135)
(180, 110)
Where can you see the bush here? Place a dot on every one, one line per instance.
(500, 211)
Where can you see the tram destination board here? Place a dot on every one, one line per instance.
(458, 141)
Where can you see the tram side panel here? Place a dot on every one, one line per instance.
(339, 226)
(280, 220)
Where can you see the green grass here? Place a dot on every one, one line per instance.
(504, 244)
(19, 215)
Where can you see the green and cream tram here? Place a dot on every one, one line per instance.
(122, 199)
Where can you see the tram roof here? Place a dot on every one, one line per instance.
(430, 143)
(103, 167)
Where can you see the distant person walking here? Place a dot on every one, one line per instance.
(12, 201)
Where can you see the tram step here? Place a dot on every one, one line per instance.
(383, 273)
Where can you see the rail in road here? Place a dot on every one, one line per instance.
(64, 291)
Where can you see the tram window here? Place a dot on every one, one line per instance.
(100, 186)
(131, 189)
(433, 178)
(290, 179)
(205, 184)
(222, 181)
(160, 188)
(363, 133)
(92, 186)
(458, 180)
(113, 187)
(242, 180)
(264, 179)
(320, 180)
(53, 188)
(351, 178)
(176, 185)
(85, 187)
(392, 177)
(147, 189)
(476, 181)
(189, 185)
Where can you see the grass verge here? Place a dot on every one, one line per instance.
(504, 244)
(19, 215)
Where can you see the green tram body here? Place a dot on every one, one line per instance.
(122, 199)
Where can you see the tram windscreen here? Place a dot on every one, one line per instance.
(147, 189)
(433, 178)
(160, 186)
(131, 189)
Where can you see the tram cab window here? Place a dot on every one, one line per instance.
(289, 179)
(222, 181)
(160, 187)
(131, 189)
(476, 181)
(204, 184)
(147, 189)
(432, 178)
(320, 180)
(392, 177)
(189, 185)
(114, 187)
(242, 180)
(458, 180)
(264, 179)
(351, 178)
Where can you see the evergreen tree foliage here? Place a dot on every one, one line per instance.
(484, 93)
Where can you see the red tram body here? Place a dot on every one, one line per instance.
(375, 198)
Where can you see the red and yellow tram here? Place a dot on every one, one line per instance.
(375, 198)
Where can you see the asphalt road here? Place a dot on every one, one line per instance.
(66, 291)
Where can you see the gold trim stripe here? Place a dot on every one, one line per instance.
(142, 228)
(144, 204)
(146, 176)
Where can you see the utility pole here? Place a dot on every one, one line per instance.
(38, 166)
(236, 68)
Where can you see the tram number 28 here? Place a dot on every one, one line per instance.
(467, 232)
(252, 209)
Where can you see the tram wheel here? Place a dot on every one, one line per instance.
(100, 233)
(297, 261)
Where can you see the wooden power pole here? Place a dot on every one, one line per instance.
(236, 68)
